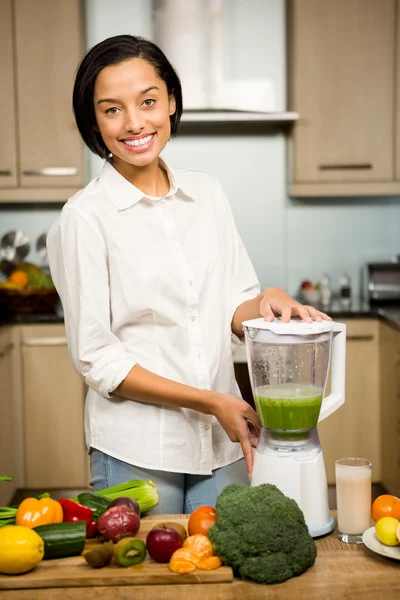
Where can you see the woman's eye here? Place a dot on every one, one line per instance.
(148, 102)
(112, 111)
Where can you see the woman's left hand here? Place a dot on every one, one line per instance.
(277, 302)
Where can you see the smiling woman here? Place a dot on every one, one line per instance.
(154, 279)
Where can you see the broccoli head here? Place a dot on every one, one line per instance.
(261, 534)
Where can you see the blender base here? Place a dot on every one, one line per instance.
(302, 477)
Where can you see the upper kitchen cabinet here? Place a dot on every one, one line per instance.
(8, 142)
(41, 154)
(342, 82)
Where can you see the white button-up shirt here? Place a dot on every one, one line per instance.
(154, 282)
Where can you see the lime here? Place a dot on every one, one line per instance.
(386, 531)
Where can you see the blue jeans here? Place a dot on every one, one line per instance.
(178, 492)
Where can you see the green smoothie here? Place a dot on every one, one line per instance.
(289, 407)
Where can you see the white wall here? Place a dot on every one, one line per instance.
(287, 240)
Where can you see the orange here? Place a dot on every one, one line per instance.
(183, 561)
(210, 563)
(201, 520)
(200, 545)
(19, 278)
(385, 506)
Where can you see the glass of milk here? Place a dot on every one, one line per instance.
(353, 498)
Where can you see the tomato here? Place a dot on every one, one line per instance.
(201, 520)
(386, 506)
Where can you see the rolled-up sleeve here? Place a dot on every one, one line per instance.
(79, 267)
(244, 282)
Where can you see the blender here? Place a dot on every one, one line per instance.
(288, 367)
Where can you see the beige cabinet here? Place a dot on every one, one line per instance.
(11, 456)
(8, 140)
(53, 400)
(390, 401)
(342, 82)
(41, 154)
(354, 429)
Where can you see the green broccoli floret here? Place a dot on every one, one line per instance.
(261, 534)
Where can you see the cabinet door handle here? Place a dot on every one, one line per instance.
(4, 351)
(5, 173)
(55, 341)
(360, 338)
(343, 167)
(52, 172)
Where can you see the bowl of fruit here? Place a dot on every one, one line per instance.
(28, 289)
(310, 293)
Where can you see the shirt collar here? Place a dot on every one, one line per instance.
(124, 194)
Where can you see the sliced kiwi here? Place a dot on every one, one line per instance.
(129, 551)
(100, 555)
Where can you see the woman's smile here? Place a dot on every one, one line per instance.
(139, 144)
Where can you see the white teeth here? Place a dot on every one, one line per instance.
(141, 142)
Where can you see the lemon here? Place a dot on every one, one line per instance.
(386, 531)
(21, 549)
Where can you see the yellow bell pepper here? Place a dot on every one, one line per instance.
(32, 512)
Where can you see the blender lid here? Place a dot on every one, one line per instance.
(294, 327)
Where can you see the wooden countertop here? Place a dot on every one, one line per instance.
(340, 571)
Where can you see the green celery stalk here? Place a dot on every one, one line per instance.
(144, 492)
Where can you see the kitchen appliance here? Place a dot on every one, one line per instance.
(288, 367)
(14, 247)
(383, 288)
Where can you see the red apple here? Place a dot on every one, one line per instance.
(162, 542)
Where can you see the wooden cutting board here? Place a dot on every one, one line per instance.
(75, 572)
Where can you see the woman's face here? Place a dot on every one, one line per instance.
(132, 110)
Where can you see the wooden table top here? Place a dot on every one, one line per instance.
(340, 571)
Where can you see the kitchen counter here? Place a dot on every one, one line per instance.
(340, 571)
(359, 309)
(30, 319)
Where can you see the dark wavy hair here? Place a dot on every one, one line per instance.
(113, 51)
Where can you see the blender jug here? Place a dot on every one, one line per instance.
(288, 367)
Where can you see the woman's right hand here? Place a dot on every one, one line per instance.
(237, 417)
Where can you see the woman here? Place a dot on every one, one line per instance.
(154, 279)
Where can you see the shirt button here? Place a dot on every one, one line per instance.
(193, 318)
(199, 355)
(190, 282)
(205, 427)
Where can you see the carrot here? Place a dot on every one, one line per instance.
(210, 563)
(183, 561)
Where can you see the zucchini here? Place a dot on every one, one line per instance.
(62, 539)
(98, 504)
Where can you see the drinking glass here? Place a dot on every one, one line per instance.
(353, 498)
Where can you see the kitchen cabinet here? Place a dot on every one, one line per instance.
(53, 401)
(11, 457)
(8, 140)
(390, 401)
(41, 154)
(343, 84)
(354, 429)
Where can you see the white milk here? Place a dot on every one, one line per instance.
(353, 495)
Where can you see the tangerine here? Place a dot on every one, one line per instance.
(19, 278)
(202, 519)
(385, 506)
